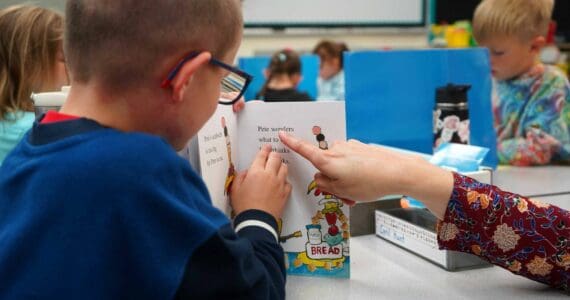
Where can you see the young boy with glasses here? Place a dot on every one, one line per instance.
(532, 101)
(96, 204)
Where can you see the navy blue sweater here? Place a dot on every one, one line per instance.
(88, 212)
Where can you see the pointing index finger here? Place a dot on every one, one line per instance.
(307, 150)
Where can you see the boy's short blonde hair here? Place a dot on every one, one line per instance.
(524, 19)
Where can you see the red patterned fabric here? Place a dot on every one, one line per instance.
(524, 236)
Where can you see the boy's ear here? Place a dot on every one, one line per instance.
(265, 73)
(184, 76)
(537, 43)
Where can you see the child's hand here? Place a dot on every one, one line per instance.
(239, 105)
(545, 140)
(544, 145)
(264, 186)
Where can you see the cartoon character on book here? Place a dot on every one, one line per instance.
(326, 251)
(284, 238)
(231, 169)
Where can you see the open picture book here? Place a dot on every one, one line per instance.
(314, 230)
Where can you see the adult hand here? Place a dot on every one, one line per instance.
(264, 186)
(362, 172)
(352, 169)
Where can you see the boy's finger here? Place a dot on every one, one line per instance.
(238, 106)
(273, 162)
(240, 177)
(288, 189)
(238, 181)
(283, 170)
(309, 151)
(261, 157)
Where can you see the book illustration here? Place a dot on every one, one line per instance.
(330, 250)
(216, 157)
(284, 238)
(231, 169)
(323, 145)
(314, 230)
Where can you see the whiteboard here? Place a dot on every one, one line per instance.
(333, 13)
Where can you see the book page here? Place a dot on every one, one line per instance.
(315, 229)
(217, 155)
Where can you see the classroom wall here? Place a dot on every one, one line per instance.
(267, 41)
(53, 4)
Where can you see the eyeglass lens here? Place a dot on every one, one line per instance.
(233, 84)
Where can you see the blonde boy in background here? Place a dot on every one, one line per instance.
(531, 100)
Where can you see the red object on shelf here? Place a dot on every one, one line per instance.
(551, 32)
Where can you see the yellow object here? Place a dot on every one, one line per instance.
(321, 263)
(311, 186)
(331, 207)
(457, 38)
(228, 182)
(458, 35)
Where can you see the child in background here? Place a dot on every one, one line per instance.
(31, 61)
(282, 78)
(330, 85)
(94, 201)
(532, 101)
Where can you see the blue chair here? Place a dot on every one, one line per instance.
(257, 64)
(390, 96)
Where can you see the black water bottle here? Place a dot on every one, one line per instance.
(451, 115)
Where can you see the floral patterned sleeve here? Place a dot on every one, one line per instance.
(522, 235)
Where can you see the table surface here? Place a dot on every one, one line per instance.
(533, 181)
(562, 201)
(381, 270)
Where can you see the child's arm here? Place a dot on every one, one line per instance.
(246, 261)
(249, 265)
(546, 132)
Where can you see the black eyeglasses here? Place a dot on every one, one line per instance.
(232, 86)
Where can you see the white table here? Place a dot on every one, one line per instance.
(381, 270)
(533, 181)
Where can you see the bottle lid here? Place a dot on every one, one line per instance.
(452, 93)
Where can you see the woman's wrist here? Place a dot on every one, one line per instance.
(430, 184)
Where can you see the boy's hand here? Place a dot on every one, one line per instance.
(264, 186)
